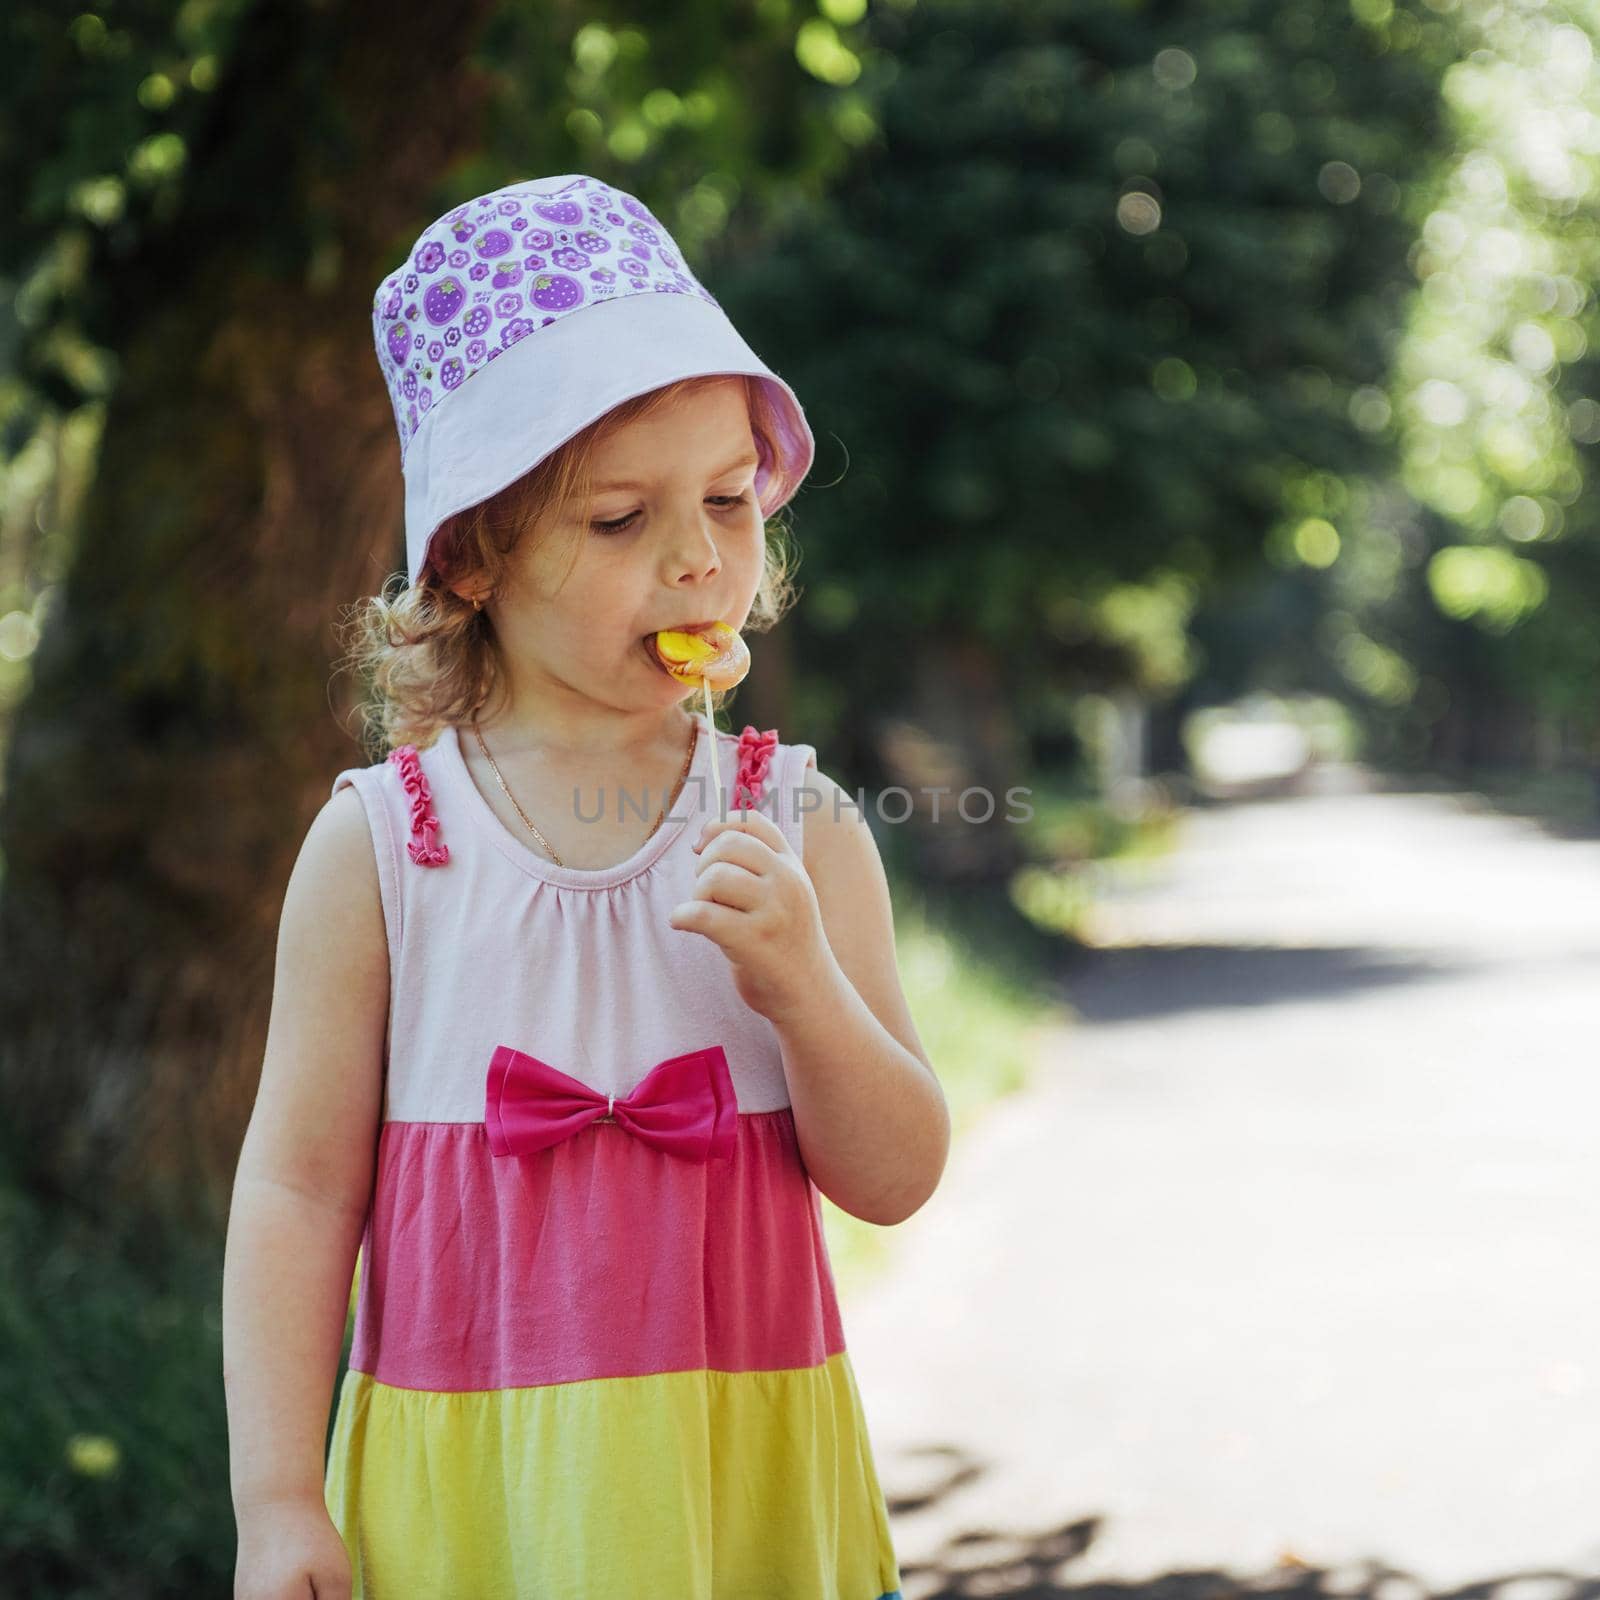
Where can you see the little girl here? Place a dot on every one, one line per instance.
(581, 1003)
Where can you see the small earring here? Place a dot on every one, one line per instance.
(477, 604)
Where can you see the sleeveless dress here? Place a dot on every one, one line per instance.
(597, 1350)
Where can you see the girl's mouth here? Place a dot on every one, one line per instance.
(702, 628)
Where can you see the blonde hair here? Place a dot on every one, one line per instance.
(428, 658)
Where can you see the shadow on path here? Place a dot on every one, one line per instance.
(1137, 985)
(1036, 1565)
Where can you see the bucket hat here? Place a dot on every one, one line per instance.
(522, 316)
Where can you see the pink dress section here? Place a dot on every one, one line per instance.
(642, 1264)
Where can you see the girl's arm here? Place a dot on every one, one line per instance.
(305, 1171)
(870, 1113)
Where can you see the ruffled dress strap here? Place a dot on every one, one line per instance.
(422, 846)
(756, 751)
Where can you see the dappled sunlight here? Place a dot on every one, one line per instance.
(1492, 427)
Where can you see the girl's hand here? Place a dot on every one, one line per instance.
(290, 1550)
(754, 898)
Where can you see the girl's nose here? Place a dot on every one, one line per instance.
(693, 548)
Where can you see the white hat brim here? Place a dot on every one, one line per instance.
(553, 382)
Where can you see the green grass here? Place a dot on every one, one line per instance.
(1072, 825)
(113, 1430)
(1073, 830)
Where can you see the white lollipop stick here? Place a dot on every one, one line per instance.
(716, 769)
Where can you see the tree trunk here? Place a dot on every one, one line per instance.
(951, 763)
(177, 737)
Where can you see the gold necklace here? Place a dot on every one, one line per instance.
(688, 758)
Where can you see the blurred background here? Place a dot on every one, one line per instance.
(1205, 406)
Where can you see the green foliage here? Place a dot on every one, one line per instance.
(1494, 385)
(1449, 594)
(1086, 312)
(131, 99)
(715, 116)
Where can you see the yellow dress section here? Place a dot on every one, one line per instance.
(697, 1485)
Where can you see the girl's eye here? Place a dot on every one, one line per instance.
(621, 524)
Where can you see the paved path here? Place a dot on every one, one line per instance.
(1291, 1254)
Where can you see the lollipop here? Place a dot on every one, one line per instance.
(715, 657)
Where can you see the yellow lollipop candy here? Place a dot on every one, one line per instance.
(717, 657)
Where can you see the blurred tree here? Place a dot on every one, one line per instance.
(1447, 591)
(1494, 400)
(201, 193)
(1092, 308)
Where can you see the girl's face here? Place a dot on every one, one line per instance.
(674, 536)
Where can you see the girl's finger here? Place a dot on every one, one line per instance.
(716, 922)
(729, 884)
(755, 823)
(734, 845)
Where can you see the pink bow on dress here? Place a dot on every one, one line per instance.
(685, 1105)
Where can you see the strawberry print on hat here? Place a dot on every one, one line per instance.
(500, 267)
